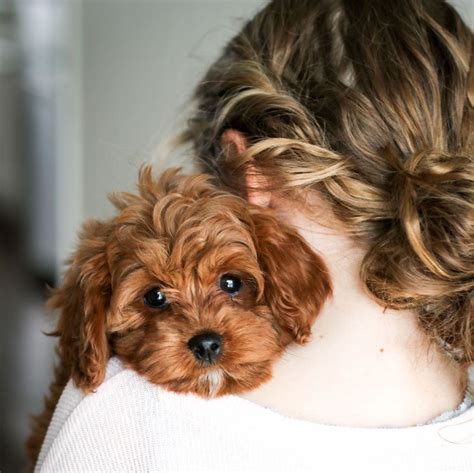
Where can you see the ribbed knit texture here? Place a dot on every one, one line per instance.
(132, 425)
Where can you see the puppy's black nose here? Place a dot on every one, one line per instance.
(206, 346)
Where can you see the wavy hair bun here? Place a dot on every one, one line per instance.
(424, 260)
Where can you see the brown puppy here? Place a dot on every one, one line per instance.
(190, 286)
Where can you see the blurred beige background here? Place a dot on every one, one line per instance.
(88, 90)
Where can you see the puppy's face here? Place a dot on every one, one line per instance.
(190, 286)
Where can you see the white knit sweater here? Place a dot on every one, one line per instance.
(131, 425)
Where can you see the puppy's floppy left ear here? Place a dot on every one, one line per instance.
(297, 281)
(83, 300)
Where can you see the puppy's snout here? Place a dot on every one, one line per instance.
(206, 346)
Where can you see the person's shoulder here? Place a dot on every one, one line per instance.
(117, 415)
(118, 382)
(130, 424)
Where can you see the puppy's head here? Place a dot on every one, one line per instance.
(192, 287)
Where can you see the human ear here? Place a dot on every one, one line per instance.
(233, 144)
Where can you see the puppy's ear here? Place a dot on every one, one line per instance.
(82, 301)
(296, 279)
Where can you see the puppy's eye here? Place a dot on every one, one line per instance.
(156, 299)
(230, 284)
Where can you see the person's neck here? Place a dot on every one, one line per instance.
(364, 366)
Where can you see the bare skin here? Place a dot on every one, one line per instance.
(365, 366)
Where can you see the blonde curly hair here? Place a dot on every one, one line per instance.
(370, 103)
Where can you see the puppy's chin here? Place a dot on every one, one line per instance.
(212, 382)
(218, 380)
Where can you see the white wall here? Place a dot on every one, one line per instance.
(141, 60)
(465, 9)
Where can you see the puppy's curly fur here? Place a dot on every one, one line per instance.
(177, 239)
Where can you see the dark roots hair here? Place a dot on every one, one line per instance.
(371, 104)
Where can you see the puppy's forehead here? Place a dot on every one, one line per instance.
(175, 211)
(198, 235)
(196, 227)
